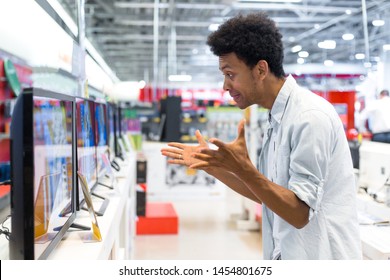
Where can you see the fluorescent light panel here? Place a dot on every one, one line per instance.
(179, 78)
(272, 1)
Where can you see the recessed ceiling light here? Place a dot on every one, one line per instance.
(303, 54)
(328, 62)
(348, 36)
(213, 27)
(360, 56)
(367, 64)
(278, 1)
(141, 84)
(296, 48)
(348, 12)
(300, 60)
(327, 44)
(180, 78)
(386, 47)
(378, 22)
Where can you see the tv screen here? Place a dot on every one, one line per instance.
(86, 148)
(101, 137)
(43, 174)
(118, 132)
(111, 130)
(87, 160)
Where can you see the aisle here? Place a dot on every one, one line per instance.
(206, 231)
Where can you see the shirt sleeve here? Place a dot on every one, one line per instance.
(311, 148)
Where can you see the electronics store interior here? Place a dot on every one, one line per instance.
(91, 92)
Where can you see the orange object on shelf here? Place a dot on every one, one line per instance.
(4, 190)
(160, 218)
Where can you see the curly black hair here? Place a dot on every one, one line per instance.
(252, 38)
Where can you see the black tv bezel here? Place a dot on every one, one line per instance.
(21, 243)
(78, 202)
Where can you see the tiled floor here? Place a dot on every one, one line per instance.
(206, 231)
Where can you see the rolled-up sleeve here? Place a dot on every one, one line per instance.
(309, 159)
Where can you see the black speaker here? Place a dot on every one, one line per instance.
(171, 107)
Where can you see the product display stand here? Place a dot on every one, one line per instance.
(116, 225)
(109, 173)
(96, 234)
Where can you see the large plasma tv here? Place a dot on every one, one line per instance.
(42, 172)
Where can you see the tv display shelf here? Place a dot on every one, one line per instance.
(374, 228)
(117, 225)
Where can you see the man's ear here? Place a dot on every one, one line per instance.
(262, 69)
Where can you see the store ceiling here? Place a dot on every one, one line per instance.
(123, 32)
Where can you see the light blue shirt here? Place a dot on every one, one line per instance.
(306, 151)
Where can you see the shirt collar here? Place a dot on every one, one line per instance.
(279, 106)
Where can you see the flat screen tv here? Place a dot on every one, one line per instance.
(118, 133)
(42, 172)
(87, 164)
(112, 144)
(101, 138)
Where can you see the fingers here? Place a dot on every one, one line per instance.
(217, 142)
(172, 153)
(200, 138)
(169, 150)
(241, 129)
(176, 161)
(204, 155)
(176, 145)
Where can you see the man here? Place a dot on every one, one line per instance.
(378, 115)
(306, 181)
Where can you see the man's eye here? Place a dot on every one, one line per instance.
(229, 75)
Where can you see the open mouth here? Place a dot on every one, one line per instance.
(235, 96)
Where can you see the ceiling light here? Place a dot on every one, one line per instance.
(277, 1)
(386, 47)
(348, 12)
(348, 36)
(316, 26)
(179, 78)
(300, 60)
(303, 54)
(378, 22)
(367, 64)
(213, 27)
(360, 56)
(327, 44)
(141, 84)
(296, 48)
(328, 62)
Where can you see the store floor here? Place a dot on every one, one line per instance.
(206, 231)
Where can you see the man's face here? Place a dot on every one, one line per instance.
(238, 80)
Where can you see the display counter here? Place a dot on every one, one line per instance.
(374, 220)
(117, 225)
